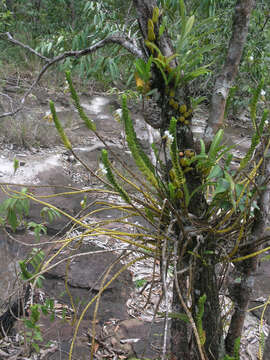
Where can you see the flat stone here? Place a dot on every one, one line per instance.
(85, 275)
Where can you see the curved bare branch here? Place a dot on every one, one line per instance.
(17, 42)
(119, 39)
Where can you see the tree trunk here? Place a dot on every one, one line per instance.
(184, 345)
(180, 330)
(225, 79)
(205, 282)
(242, 292)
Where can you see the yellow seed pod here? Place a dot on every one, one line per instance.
(151, 32)
(48, 117)
(179, 194)
(186, 114)
(183, 161)
(175, 105)
(186, 122)
(172, 93)
(172, 175)
(155, 15)
(181, 119)
(171, 102)
(183, 109)
(189, 153)
(139, 82)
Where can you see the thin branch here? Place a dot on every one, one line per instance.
(17, 42)
(266, 21)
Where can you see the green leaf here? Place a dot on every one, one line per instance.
(174, 315)
(139, 283)
(16, 165)
(216, 172)
(25, 274)
(37, 336)
(222, 186)
(39, 282)
(161, 30)
(230, 180)
(35, 314)
(214, 148)
(114, 71)
(111, 177)
(189, 25)
(29, 324)
(228, 160)
(44, 310)
(142, 160)
(12, 219)
(36, 347)
(182, 10)
(64, 313)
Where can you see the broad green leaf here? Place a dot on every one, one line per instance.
(222, 186)
(216, 172)
(230, 180)
(215, 145)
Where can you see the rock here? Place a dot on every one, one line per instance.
(56, 182)
(85, 280)
(133, 337)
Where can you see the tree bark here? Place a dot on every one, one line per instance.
(242, 292)
(225, 79)
(205, 282)
(180, 331)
